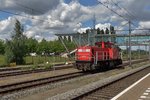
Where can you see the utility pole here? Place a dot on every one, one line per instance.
(138, 48)
(139, 51)
(129, 43)
(149, 50)
(94, 22)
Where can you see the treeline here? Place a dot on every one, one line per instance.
(40, 48)
(33, 46)
(20, 46)
(102, 31)
(46, 47)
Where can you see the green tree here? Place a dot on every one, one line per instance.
(9, 55)
(87, 31)
(102, 31)
(31, 45)
(69, 38)
(112, 30)
(2, 47)
(43, 47)
(107, 31)
(98, 31)
(58, 47)
(16, 48)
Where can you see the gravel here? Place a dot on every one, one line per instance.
(66, 95)
(24, 93)
(82, 90)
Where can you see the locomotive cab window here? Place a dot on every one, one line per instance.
(100, 46)
(107, 45)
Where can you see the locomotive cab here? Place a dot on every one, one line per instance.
(84, 57)
(84, 54)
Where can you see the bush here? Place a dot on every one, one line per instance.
(48, 66)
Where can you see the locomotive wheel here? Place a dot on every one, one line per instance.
(83, 70)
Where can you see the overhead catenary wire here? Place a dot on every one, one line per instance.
(128, 13)
(115, 12)
(21, 15)
(131, 29)
(112, 10)
(121, 15)
(28, 8)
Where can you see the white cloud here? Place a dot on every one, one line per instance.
(29, 6)
(103, 26)
(4, 24)
(144, 24)
(54, 16)
(81, 30)
(100, 26)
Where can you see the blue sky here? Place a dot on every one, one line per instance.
(85, 2)
(4, 15)
(70, 16)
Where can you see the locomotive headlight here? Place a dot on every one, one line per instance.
(87, 50)
(83, 50)
(80, 50)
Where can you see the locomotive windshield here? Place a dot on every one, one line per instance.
(104, 44)
(108, 45)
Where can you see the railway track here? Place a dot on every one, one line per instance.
(22, 72)
(110, 90)
(38, 82)
(18, 71)
(25, 67)
(134, 62)
(9, 69)
(9, 88)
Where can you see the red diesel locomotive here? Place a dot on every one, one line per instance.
(102, 55)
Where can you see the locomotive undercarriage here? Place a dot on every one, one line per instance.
(99, 65)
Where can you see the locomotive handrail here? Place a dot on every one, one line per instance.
(104, 55)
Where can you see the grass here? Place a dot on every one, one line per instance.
(38, 60)
(55, 59)
(44, 59)
(2, 60)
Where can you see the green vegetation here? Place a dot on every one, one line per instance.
(48, 65)
(35, 60)
(15, 48)
(38, 60)
(2, 47)
(2, 60)
(44, 59)
(20, 47)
